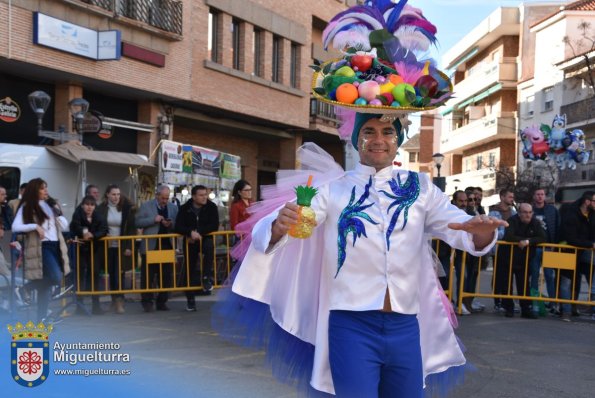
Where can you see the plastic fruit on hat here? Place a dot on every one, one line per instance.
(345, 71)
(362, 62)
(368, 90)
(395, 79)
(404, 93)
(427, 86)
(386, 87)
(347, 93)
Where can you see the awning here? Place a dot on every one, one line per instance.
(480, 96)
(77, 153)
(465, 57)
(446, 110)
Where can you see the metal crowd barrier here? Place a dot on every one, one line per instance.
(560, 258)
(132, 264)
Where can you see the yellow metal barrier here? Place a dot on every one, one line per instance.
(561, 258)
(129, 263)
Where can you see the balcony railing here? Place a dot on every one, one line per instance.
(162, 14)
(322, 110)
(486, 129)
(579, 111)
(484, 76)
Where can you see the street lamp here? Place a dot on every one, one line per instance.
(438, 158)
(39, 102)
(440, 182)
(78, 109)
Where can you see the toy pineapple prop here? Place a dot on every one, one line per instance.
(306, 216)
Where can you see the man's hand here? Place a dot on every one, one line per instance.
(158, 218)
(524, 243)
(287, 217)
(195, 236)
(482, 227)
(166, 222)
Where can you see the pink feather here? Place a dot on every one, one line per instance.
(347, 118)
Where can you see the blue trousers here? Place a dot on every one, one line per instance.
(375, 354)
(52, 275)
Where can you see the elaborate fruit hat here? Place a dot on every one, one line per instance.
(385, 68)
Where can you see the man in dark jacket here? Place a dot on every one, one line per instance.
(550, 221)
(579, 230)
(526, 231)
(197, 218)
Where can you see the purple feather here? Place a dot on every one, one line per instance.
(348, 21)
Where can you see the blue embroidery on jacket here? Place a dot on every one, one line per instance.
(404, 195)
(348, 222)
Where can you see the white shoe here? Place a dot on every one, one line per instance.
(464, 310)
(477, 306)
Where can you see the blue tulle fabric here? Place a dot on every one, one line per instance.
(248, 323)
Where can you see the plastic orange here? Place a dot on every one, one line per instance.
(347, 93)
(395, 79)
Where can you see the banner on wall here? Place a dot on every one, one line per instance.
(206, 162)
(231, 167)
(187, 158)
(171, 156)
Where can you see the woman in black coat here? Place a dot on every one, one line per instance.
(88, 226)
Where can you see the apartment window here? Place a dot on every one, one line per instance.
(214, 40)
(479, 162)
(257, 50)
(467, 164)
(492, 160)
(548, 99)
(530, 106)
(235, 43)
(294, 65)
(412, 157)
(277, 54)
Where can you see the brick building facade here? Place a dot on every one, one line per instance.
(228, 75)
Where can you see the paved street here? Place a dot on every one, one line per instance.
(178, 351)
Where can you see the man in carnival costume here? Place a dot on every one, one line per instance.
(356, 308)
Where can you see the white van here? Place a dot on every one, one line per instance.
(68, 169)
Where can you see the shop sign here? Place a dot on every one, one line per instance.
(75, 39)
(91, 123)
(171, 156)
(9, 110)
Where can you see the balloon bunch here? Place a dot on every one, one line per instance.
(566, 148)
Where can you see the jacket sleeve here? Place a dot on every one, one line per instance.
(101, 226)
(510, 233)
(234, 215)
(144, 218)
(541, 235)
(76, 224)
(212, 217)
(571, 232)
(182, 226)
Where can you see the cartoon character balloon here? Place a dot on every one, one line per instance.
(535, 143)
(575, 149)
(566, 149)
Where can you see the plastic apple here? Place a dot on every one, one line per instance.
(362, 62)
(404, 93)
